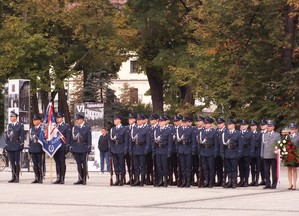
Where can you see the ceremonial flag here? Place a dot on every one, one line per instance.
(50, 137)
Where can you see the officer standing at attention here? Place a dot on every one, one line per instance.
(255, 154)
(186, 147)
(219, 162)
(161, 150)
(269, 140)
(139, 146)
(248, 146)
(119, 145)
(128, 158)
(81, 147)
(231, 150)
(149, 163)
(36, 150)
(14, 145)
(59, 156)
(207, 149)
(263, 126)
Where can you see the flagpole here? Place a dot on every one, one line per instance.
(50, 100)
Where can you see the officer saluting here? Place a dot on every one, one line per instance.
(36, 150)
(119, 144)
(59, 156)
(231, 150)
(14, 144)
(139, 146)
(161, 150)
(81, 146)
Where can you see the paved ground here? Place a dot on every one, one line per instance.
(98, 198)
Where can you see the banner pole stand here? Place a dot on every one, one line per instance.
(51, 169)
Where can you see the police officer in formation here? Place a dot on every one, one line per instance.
(139, 146)
(14, 145)
(119, 146)
(219, 162)
(36, 150)
(162, 145)
(81, 147)
(264, 129)
(255, 164)
(269, 140)
(59, 155)
(185, 148)
(248, 146)
(128, 158)
(231, 150)
(207, 149)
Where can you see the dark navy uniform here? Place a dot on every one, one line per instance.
(139, 146)
(255, 156)
(207, 150)
(14, 144)
(195, 139)
(161, 149)
(81, 147)
(127, 156)
(244, 161)
(231, 150)
(59, 156)
(185, 149)
(36, 151)
(119, 144)
(150, 163)
(219, 162)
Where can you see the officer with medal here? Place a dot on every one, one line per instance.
(119, 146)
(255, 162)
(207, 150)
(161, 150)
(14, 145)
(59, 155)
(149, 163)
(81, 147)
(139, 146)
(128, 158)
(231, 150)
(36, 149)
(263, 127)
(219, 162)
(248, 146)
(186, 147)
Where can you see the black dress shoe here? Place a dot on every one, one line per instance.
(266, 187)
(78, 182)
(34, 182)
(273, 187)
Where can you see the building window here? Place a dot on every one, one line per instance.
(133, 67)
(133, 95)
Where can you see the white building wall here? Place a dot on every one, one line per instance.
(135, 80)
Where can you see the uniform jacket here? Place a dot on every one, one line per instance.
(218, 140)
(162, 142)
(34, 145)
(185, 143)
(140, 140)
(248, 143)
(257, 140)
(295, 139)
(195, 139)
(81, 140)
(14, 138)
(231, 146)
(119, 140)
(207, 140)
(268, 145)
(66, 132)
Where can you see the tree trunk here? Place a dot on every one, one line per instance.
(156, 87)
(45, 100)
(290, 36)
(34, 105)
(186, 95)
(63, 106)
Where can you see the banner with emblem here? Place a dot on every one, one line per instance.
(51, 138)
